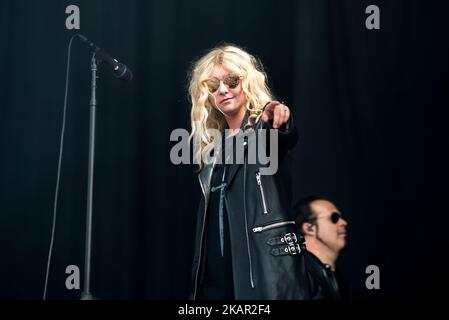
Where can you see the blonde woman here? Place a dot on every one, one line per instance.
(245, 246)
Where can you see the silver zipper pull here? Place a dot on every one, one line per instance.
(258, 229)
(259, 182)
(262, 194)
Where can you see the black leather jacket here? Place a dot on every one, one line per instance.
(267, 255)
(323, 281)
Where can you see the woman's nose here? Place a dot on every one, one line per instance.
(222, 88)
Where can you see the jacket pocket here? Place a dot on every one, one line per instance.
(262, 193)
(272, 226)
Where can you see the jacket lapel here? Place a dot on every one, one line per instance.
(205, 177)
(205, 174)
(233, 168)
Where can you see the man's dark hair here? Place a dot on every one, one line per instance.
(303, 211)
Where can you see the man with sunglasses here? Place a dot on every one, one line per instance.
(324, 230)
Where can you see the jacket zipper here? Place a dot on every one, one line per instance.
(273, 225)
(246, 230)
(249, 253)
(264, 202)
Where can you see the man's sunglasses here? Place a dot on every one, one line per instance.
(334, 217)
(230, 80)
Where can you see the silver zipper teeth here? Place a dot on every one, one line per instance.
(247, 236)
(259, 182)
(273, 225)
(249, 255)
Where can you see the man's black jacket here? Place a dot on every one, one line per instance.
(323, 281)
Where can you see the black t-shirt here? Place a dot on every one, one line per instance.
(218, 281)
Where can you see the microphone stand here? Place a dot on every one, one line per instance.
(86, 295)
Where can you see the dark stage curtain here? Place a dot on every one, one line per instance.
(367, 104)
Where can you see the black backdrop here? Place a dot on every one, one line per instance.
(368, 105)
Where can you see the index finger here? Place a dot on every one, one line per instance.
(271, 105)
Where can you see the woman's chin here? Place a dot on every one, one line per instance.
(228, 110)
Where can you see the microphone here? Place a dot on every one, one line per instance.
(119, 69)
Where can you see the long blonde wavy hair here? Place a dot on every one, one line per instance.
(204, 115)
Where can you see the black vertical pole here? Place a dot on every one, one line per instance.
(86, 295)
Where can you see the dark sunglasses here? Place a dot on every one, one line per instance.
(230, 80)
(335, 216)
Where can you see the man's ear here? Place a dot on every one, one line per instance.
(308, 229)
